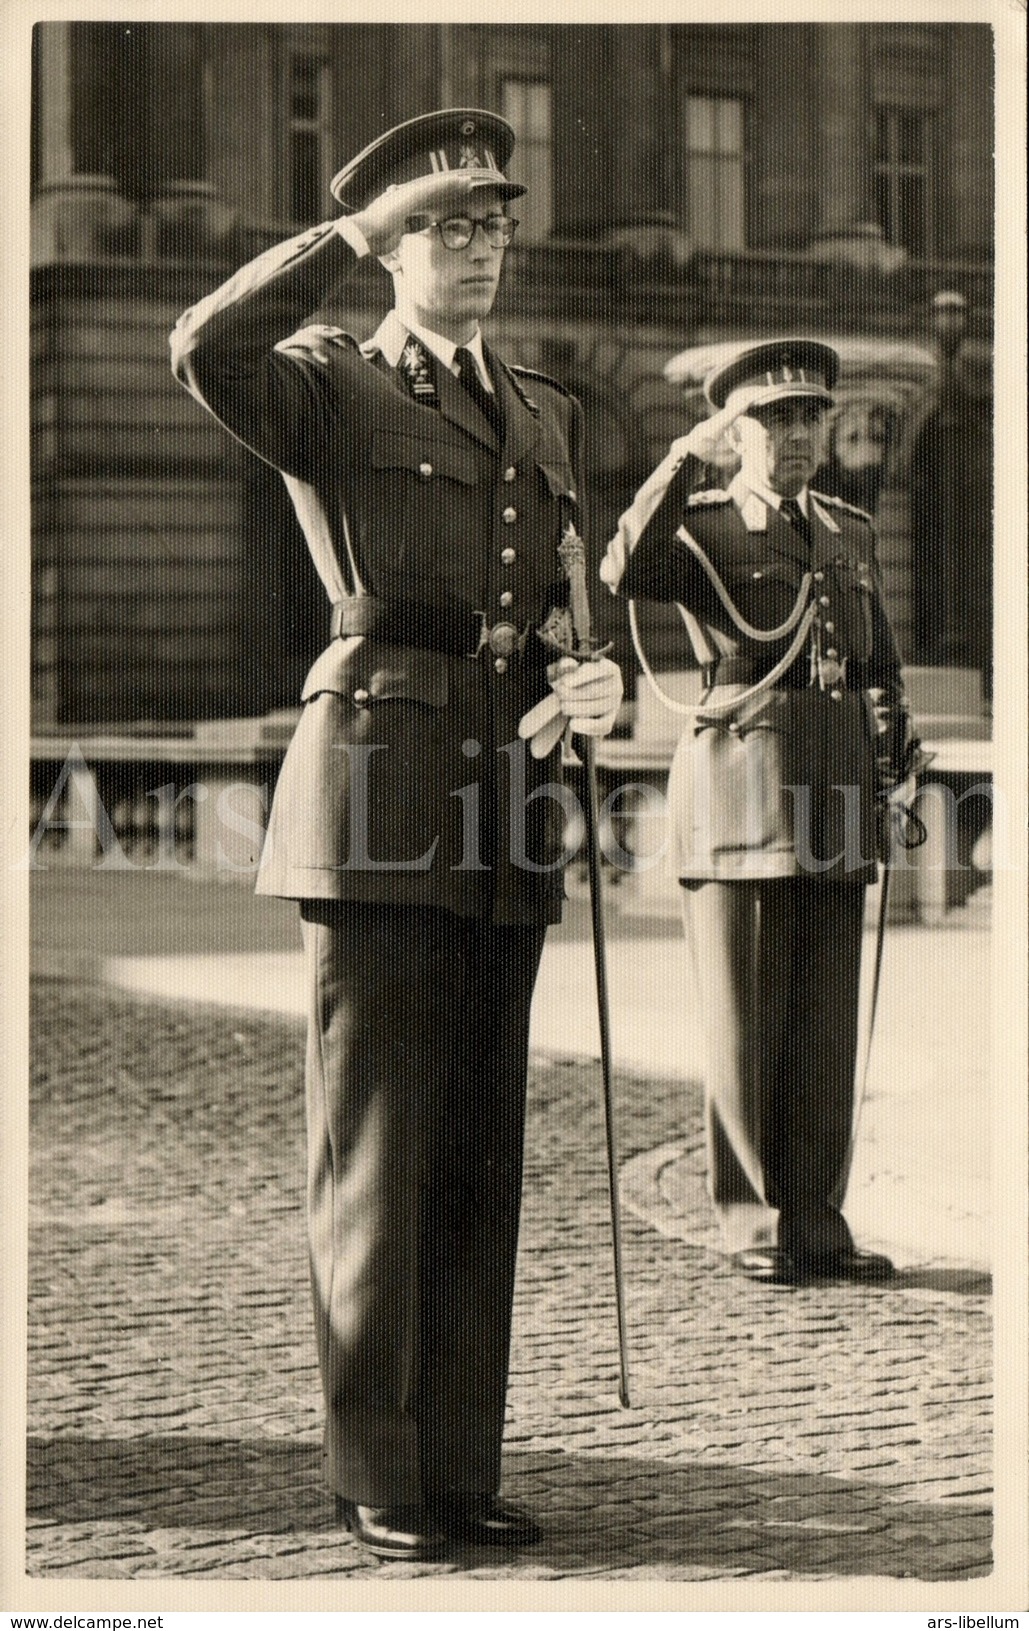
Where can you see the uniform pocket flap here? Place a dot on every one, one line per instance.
(773, 571)
(405, 673)
(369, 671)
(423, 456)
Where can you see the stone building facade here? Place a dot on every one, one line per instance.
(690, 185)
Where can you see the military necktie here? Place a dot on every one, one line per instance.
(791, 510)
(471, 379)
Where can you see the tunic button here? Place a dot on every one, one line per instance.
(823, 600)
(506, 598)
(501, 665)
(819, 577)
(361, 697)
(508, 557)
(510, 473)
(830, 628)
(425, 469)
(837, 696)
(510, 514)
(832, 653)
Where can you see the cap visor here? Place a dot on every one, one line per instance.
(488, 178)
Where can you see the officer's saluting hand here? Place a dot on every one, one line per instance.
(395, 212)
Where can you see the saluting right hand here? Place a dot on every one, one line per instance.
(385, 220)
(705, 441)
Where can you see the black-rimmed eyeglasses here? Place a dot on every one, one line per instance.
(457, 231)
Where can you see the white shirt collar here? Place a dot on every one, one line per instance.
(775, 499)
(392, 333)
(754, 500)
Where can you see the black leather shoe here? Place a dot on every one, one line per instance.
(482, 1520)
(866, 1267)
(404, 1532)
(768, 1265)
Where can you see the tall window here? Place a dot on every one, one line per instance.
(715, 172)
(901, 169)
(527, 105)
(308, 120)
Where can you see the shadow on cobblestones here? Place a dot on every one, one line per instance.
(183, 1496)
(174, 1406)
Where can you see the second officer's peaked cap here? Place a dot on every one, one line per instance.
(773, 370)
(467, 139)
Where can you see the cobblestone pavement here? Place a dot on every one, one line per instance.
(174, 1414)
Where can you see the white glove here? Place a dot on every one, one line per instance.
(584, 695)
(707, 438)
(704, 442)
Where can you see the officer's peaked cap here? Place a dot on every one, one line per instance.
(466, 139)
(765, 373)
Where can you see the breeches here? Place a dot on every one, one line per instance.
(416, 1078)
(776, 966)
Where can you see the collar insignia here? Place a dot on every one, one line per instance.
(416, 367)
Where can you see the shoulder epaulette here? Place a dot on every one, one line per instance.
(315, 334)
(713, 495)
(533, 373)
(841, 504)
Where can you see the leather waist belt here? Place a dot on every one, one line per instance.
(798, 677)
(456, 631)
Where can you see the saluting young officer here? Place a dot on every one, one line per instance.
(772, 796)
(434, 485)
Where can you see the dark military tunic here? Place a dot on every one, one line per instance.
(406, 782)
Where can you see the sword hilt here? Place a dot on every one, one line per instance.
(572, 554)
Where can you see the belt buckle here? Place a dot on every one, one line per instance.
(503, 639)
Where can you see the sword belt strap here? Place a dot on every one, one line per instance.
(744, 670)
(456, 631)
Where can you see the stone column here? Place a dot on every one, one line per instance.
(187, 216)
(174, 113)
(416, 65)
(638, 186)
(785, 158)
(585, 133)
(969, 230)
(615, 128)
(78, 213)
(843, 150)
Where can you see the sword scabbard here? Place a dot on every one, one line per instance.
(572, 552)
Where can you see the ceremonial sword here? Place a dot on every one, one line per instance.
(572, 552)
(898, 825)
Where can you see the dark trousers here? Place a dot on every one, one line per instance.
(776, 966)
(416, 1078)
